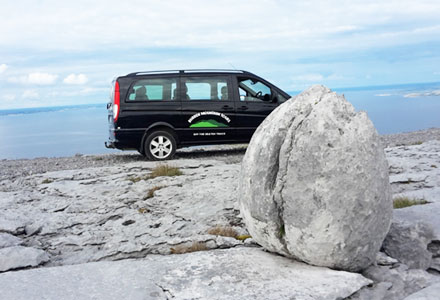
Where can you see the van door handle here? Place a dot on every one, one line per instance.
(243, 107)
(227, 107)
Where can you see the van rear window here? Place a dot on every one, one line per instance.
(153, 90)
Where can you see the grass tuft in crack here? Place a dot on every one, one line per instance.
(228, 231)
(223, 231)
(194, 247)
(401, 202)
(165, 170)
(158, 171)
(282, 231)
(135, 179)
(150, 193)
(243, 237)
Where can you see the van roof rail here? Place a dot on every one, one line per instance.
(187, 71)
(153, 72)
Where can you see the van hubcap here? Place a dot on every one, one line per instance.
(161, 147)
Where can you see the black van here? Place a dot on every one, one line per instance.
(157, 112)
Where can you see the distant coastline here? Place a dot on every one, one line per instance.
(407, 87)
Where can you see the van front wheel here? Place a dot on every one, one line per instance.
(160, 145)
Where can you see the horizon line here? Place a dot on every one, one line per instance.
(293, 92)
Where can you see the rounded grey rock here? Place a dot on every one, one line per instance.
(408, 243)
(314, 183)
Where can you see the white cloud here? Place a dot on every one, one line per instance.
(30, 94)
(9, 97)
(383, 95)
(335, 77)
(35, 78)
(316, 77)
(75, 79)
(302, 37)
(42, 78)
(78, 92)
(87, 91)
(3, 68)
(311, 24)
(309, 77)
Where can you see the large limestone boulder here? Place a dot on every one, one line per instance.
(314, 183)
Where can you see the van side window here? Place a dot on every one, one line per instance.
(254, 90)
(205, 88)
(153, 90)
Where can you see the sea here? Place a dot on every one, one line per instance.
(83, 129)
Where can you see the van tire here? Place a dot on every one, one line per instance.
(160, 145)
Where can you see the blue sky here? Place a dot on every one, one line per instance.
(62, 53)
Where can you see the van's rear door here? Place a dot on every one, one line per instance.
(111, 111)
(149, 101)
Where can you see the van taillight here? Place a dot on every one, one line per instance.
(116, 103)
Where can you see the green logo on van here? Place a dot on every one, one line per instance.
(208, 123)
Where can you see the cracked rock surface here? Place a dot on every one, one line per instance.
(110, 213)
(314, 183)
(238, 273)
(415, 175)
(415, 171)
(394, 282)
(431, 292)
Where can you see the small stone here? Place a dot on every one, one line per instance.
(20, 257)
(227, 242)
(409, 244)
(434, 248)
(32, 229)
(435, 264)
(13, 226)
(8, 240)
(384, 260)
(128, 222)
